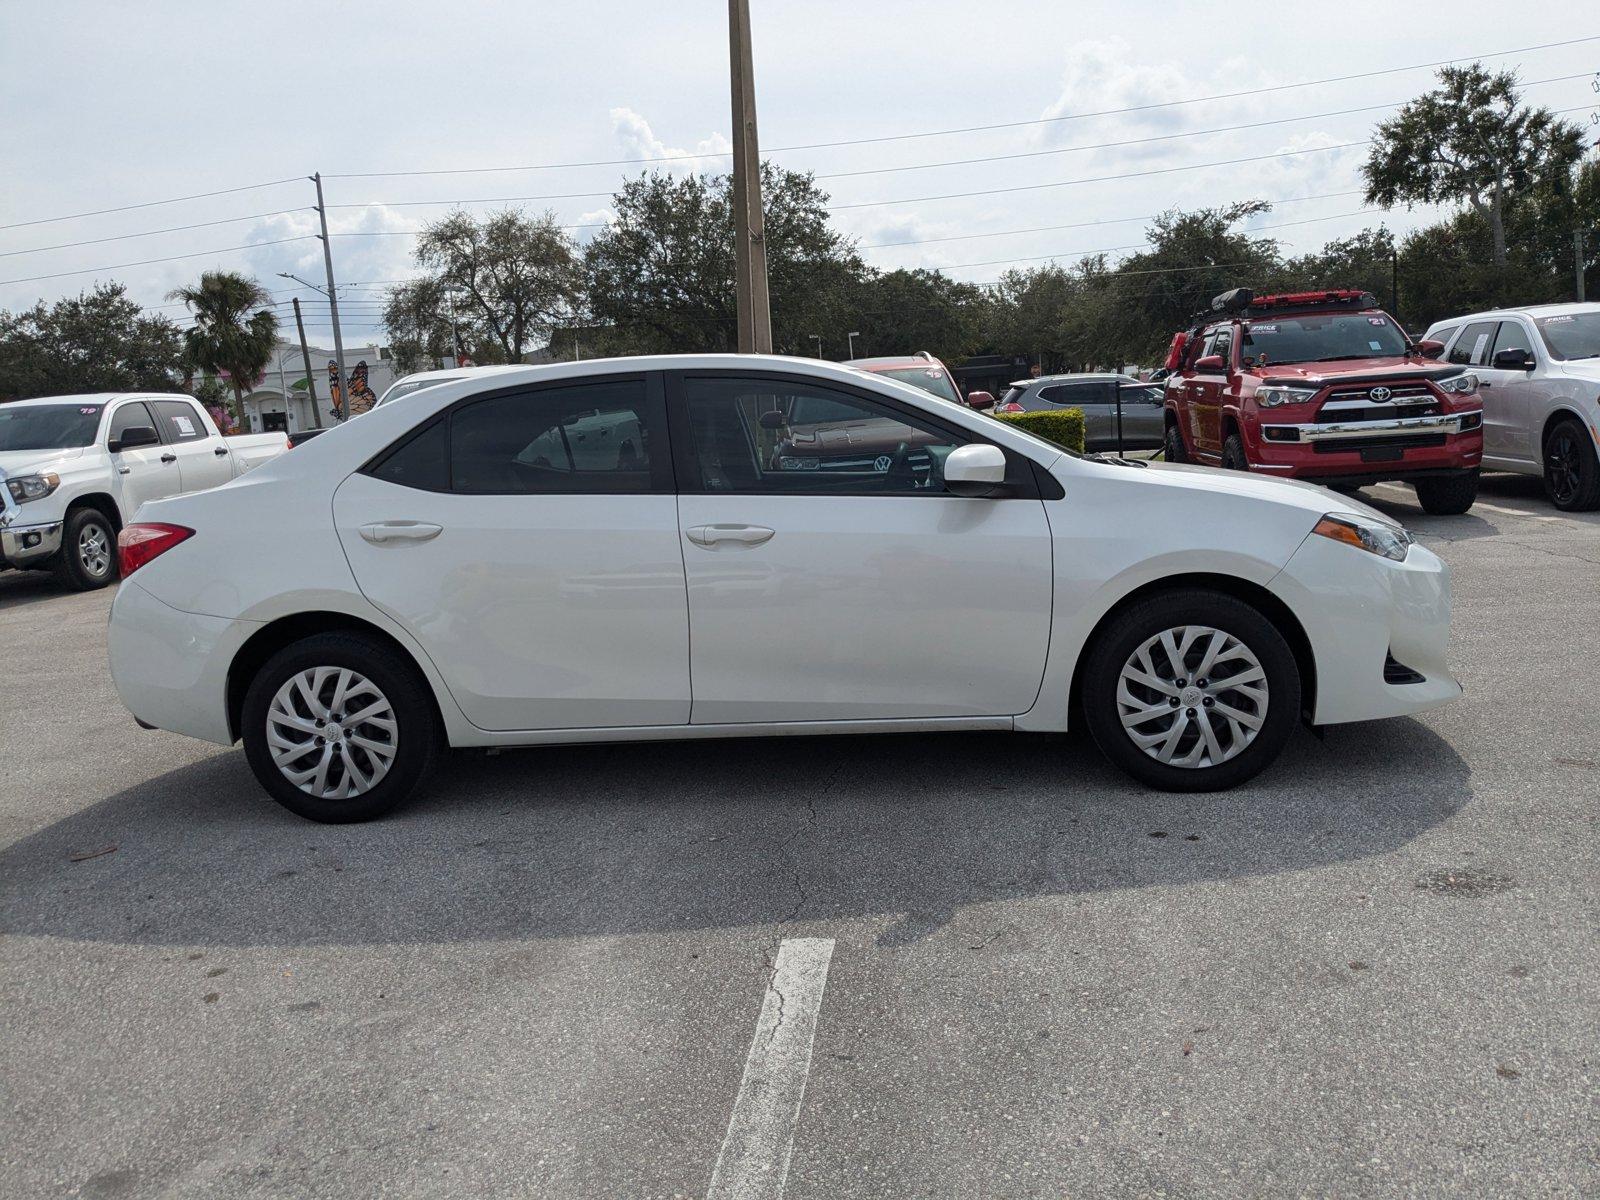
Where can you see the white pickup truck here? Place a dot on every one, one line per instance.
(75, 469)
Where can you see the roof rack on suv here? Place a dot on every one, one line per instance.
(1348, 298)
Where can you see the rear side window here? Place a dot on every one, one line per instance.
(1472, 347)
(180, 421)
(423, 461)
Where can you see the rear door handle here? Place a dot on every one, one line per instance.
(747, 535)
(400, 531)
(220, 451)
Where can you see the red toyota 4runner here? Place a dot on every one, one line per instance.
(1326, 387)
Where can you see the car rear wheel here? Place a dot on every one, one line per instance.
(338, 727)
(1233, 458)
(1448, 497)
(1191, 691)
(1571, 472)
(88, 556)
(1172, 449)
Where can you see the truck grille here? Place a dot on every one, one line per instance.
(1358, 404)
(1338, 445)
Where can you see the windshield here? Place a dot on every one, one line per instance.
(1321, 337)
(1571, 335)
(406, 387)
(48, 426)
(932, 380)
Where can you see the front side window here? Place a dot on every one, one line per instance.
(584, 438)
(126, 417)
(180, 421)
(1472, 347)
(48, 426)
(791, 436)
(1222, 346)
(1513, 337)
(1571, 335)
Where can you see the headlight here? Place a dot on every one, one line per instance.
(1273, 396)
(33, 487)
(1372, 536)
(1465, 382)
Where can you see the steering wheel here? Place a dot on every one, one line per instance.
(900, 471)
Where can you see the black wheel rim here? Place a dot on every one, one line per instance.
(1561, 467)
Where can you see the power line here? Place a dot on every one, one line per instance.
(100, 212)
(123, 237)
(619, 162)
(148, 261)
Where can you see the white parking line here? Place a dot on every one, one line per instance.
(754, 1161)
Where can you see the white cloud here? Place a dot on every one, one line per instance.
(638, 140)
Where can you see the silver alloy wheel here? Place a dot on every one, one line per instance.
(332, 733)
(94, 549)
(1192, 696)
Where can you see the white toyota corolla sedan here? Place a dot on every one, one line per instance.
(728, 546)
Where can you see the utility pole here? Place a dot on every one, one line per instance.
(853, 335)
(749, 225)
(1577, 258)
(817, 338)
(305, 357)
(333, 300)
(1394, 284)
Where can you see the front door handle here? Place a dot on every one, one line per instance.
(400, 531)
(220, 451)
(169, 458)
(746, 535)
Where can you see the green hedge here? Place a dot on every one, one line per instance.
(1063, 426)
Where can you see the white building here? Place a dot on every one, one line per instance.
(281, 398)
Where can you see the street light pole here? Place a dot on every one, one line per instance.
(853, 336)
(817, 338)
(749, 226)
(333, 300)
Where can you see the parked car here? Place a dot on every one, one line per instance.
(76, 469)
(418, 380)
(1143, 423)
(1323, 386)
(417, 582)
(923, 370)
(1539, 368)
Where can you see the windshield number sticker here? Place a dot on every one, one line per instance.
(87, 412)
(1376, 321)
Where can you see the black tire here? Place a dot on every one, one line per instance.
(1233, 458)
(1571, 472)
(1346, 489)
(1128, 631)
(1173, 449)
(75, 565)
(417, 735)
(1449, 496)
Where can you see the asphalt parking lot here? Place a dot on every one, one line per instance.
(1373, 971)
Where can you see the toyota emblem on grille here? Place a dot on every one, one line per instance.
(1380, 395)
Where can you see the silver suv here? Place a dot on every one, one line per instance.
(1097, 395)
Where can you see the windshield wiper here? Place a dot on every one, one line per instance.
(1112, 458)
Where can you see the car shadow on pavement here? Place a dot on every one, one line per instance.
(626, 839)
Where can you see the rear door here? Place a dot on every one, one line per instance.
(825, 586)
(144, 472)
(202, 458)
(528, 539)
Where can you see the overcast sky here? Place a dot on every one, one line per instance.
(112, 104)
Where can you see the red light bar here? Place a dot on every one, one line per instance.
(1304, 299)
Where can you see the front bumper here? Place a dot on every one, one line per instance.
(1447, 423)
(28, 545)
(1361, 610)
(1399, 448)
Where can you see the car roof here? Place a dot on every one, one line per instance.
(1077, 377)
(456, 372)
(890, 362)
(1526, 310)
(95, 398)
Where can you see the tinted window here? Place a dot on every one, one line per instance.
(422, 462)
(1571, 335)
(126, 416)
(586, 438)
(180, 421)
(1472, 347)
(1512, 337)
(765, 435)
(48, 426)
(932, 380)
(1222, 346)
(1142, 393)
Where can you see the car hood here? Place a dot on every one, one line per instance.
(29, 462)
(1356, 370)
(1582, 368)
(1312, 498)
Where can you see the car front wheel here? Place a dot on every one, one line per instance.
(1571, 471)
(1191, 691)
(88, 555)
(1173, 451)
(1449, 496)
(338, 727)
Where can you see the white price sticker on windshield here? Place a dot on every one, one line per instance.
(185, 425)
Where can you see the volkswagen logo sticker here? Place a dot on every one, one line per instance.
(1380, 395)
(882, 463)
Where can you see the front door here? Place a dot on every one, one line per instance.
(1509, 400)
(528, 540)
(830, 575)
(143, 472)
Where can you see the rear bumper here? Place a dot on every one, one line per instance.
(1360, 610)
(170, 667)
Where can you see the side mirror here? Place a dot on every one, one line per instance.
(980, 400)
(1211, 362)
(1429, 348)
(1513, 360)
(133, 437)
(975, 471)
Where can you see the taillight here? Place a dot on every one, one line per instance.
(142, 541)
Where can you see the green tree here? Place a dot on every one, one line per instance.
(1471, 140)
(234, 330)
(98, 341)
(418, 318)
(516, 279)
(661, 276)
(901, 312)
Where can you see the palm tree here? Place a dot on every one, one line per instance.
(226, 334)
